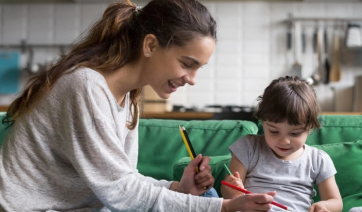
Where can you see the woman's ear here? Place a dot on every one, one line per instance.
(149, 45)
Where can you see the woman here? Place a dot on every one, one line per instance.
(74, 140)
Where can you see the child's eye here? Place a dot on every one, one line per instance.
(274, 132)
(295, 134)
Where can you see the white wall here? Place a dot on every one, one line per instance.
(251, 48)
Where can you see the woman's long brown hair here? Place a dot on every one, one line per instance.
(116, 39)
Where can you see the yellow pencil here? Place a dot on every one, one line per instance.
(188, 145)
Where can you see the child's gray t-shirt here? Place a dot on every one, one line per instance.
(293, 180)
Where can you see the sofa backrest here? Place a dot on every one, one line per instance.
(161, 145)
(335, 129)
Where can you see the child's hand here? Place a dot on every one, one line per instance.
(318, 207)
(235, 180)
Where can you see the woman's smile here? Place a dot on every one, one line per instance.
(173, 86)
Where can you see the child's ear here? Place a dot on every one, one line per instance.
(310, 131)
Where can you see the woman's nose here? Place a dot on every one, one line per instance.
(190, 78)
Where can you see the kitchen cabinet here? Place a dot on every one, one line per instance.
(3, 108)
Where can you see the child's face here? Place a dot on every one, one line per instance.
(286, 141)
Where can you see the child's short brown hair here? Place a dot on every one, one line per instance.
(289, 99)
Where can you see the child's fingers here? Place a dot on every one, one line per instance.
(239, 184)
(236, 174)
(235, 181)
(229, 178)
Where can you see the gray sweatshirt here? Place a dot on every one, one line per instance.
(73, 152)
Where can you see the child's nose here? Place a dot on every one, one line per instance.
(284, 140)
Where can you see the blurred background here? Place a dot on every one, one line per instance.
(258, 41)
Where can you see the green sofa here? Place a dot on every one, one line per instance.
(163, 154)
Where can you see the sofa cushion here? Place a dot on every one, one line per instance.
(217, 169)
(161, 144)
(335, 129)
(346, 157)
(347, 160)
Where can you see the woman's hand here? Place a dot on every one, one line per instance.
(230, 193)
(249, 203)
(318, 207)
(194, 183)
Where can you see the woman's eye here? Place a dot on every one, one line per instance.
(274, 132)
(186, 65)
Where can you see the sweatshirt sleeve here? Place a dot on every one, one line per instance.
(131, 143)
(97, 149)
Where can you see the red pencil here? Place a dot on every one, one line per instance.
(248, 192)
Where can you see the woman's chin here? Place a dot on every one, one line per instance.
(164, 95)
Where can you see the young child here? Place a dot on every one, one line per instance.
(280, 160)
